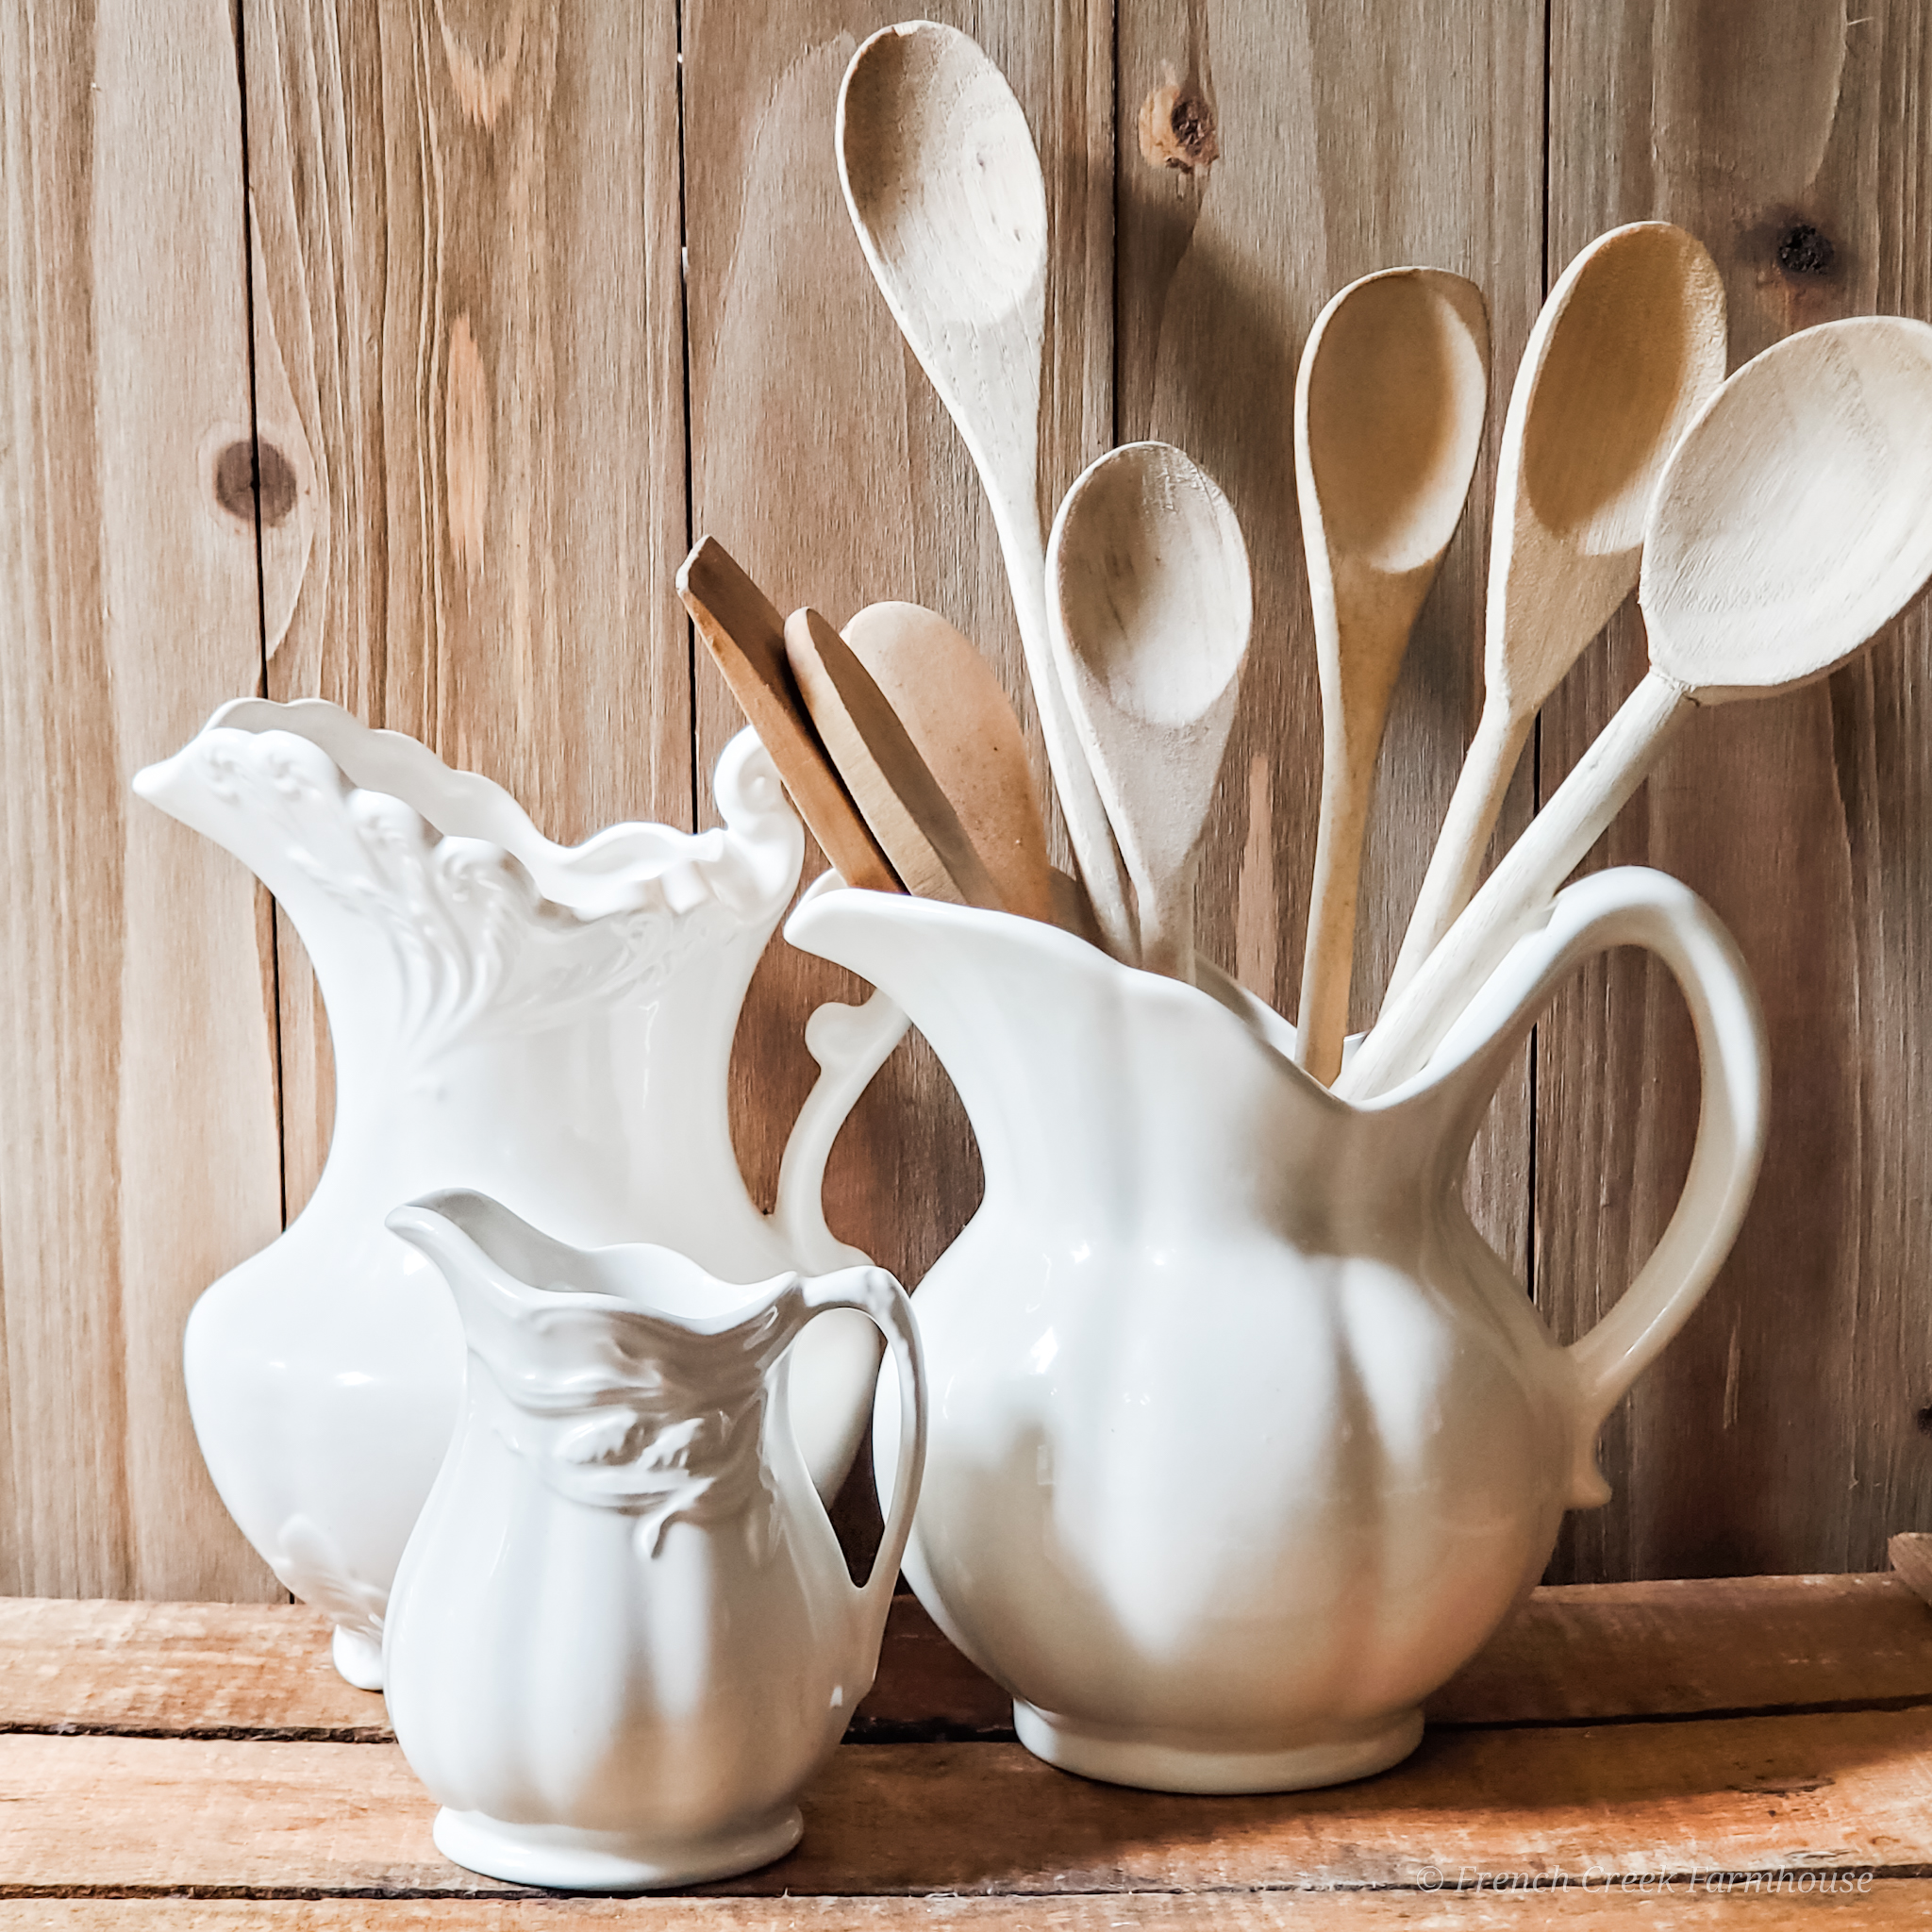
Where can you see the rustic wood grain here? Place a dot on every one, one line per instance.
(1338, 149)
(468, 371)
(1757, 1902)
(1841, 1790)
(821, 459)
(1784, 1429)
(1750, 1644)
(176, 1668)
(1578, 1654)
(138, 1159)
(468, 347)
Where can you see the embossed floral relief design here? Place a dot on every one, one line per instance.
(478, 950)
(668, 1427)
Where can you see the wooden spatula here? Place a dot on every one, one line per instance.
(891, 784)
(747, 638)
(960, 720)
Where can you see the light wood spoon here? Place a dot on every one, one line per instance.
(1792, 520)
(944, 189)
(1389, 410)
(1627, 349)
(1150, 615)
(747, 638)
(962, 723)
(893, 786)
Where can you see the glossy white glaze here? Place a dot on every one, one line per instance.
(550, 1024)
(1243, 1440)
(622, 1635)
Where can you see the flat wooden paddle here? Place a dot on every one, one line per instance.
(958, 717)
(746, 638)
(909, 814)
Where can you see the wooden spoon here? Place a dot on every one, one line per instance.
(1389, 412)
(1792, 520)
(1150, 623)
(944, 189)
(747, 638)
(1627, 349)
(891, 784)
(959, 721)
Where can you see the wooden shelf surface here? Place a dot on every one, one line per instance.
(1759, 1748)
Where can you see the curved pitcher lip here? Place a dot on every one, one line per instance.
(611, 870)
(830, 904)
(457, 1228)
(621, 1402)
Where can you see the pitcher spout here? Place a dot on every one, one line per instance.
(1087, 1082)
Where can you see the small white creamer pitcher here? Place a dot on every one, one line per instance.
(550, 1025)
(1245, 1440)
(622, 1635)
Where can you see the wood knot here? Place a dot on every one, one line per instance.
(1806, 250)
(238, 480)
(1177, 130)
(1924, 1419)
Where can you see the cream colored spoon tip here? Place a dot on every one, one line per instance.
(1627, 349)
(1151, 606)
(1390, 404)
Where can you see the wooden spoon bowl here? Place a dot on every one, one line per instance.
(1390, 406)
(1152, 607)
(1792, 524)
(1629, 346)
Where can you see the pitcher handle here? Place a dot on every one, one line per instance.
(874, 1294)
(851, 1045)
(1633, 905)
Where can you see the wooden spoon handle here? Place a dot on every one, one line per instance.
(1089, 830)
(1320, 1020)
(1519, 892)
(1456, 866)
(745, 636)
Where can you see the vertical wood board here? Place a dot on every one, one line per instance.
(469, 372)
(469, 351)
(823, 462)
(139, 1160)
(1268, 155)
(1781, 1431)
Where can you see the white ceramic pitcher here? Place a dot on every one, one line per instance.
(552, 1025)
(622, 1635)
(1243, 1439)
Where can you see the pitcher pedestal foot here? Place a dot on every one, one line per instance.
(358, 1657)
(1117, 1757)
(567, 1859)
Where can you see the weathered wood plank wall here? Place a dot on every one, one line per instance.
(428, 251)
(137, 1074)
(1791, 1427)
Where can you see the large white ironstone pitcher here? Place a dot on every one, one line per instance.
(1242, 1439)
(549, 1025)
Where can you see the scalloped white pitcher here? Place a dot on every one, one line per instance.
(1243, 1440)
(623, 1633)
(549, 1025)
